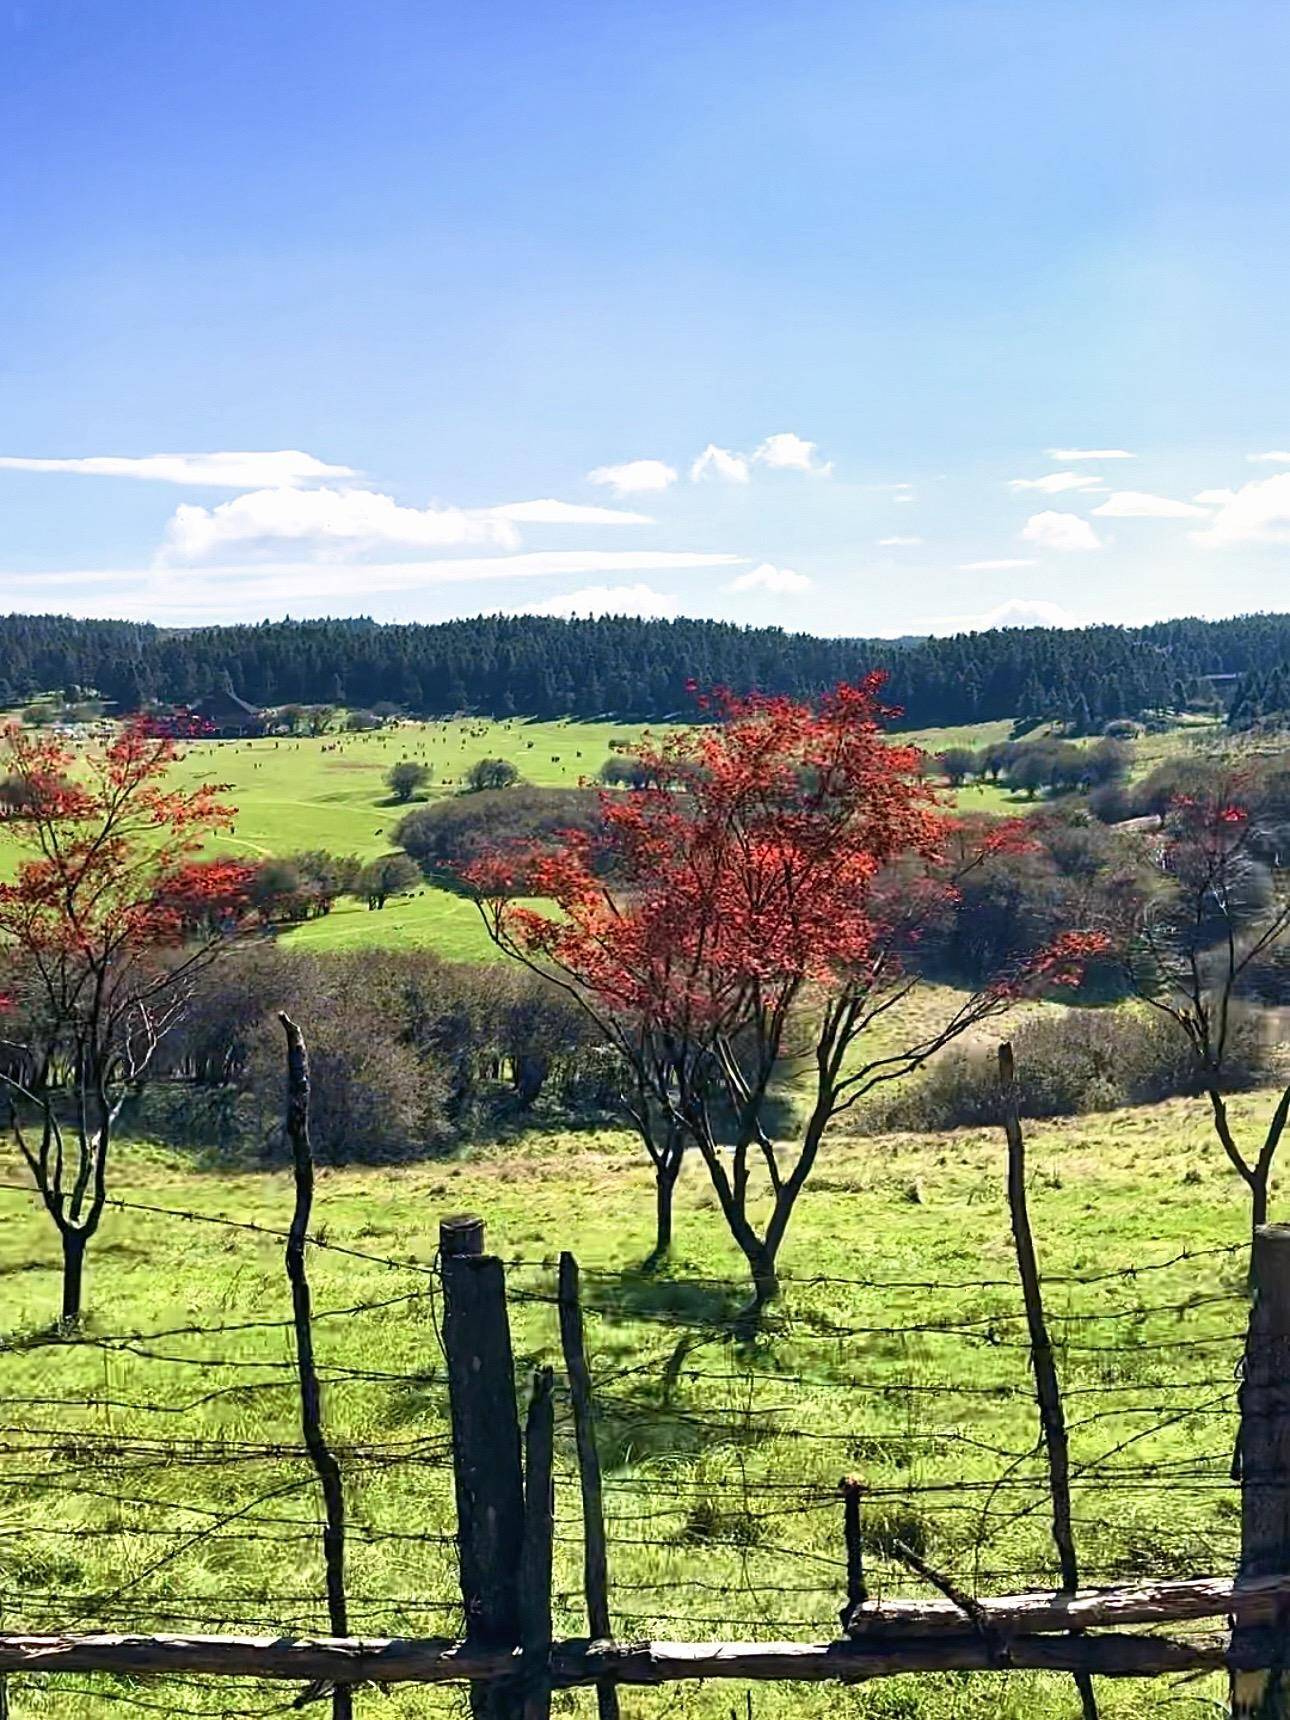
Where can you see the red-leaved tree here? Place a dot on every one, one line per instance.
(104, 926)
(746, 919)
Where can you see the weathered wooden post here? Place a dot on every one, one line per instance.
(486, 1452)
(311, 1419)
(595, 1563)
(1261, 1653)
(539, 1535)
(1052, 1416)
(852, 1488)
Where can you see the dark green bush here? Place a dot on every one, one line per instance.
(448, 835)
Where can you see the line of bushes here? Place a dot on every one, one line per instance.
(1069, 1062)
(410, 1055)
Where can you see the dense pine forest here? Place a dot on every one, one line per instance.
(543, 667)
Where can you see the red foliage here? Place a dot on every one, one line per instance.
(781, 856)
(761, 861)
(113, 870)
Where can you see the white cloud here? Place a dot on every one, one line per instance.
(1052, 530)
(1016, 612)
(1259, 512)
(633, 477)
(609, 600)
(897, 542)
(549, 512)
(332, 519)
(1273, 457)
(1141, 505)
(767, 577)
(283, 469)
(782, 452)
(1056, 482)
(1090, 454)
(791, 453)
(998, 565)
(720, 463)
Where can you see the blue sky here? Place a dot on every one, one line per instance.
(310, 305)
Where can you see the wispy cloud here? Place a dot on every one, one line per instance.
(1141, 505)
(635, 477)
(638, 599)
(1055, 483)
(394, 589)
(285, 468)
(1063, 532)
(767, 577)
(1090, 454)
(998, 565)
(1271, 457)
(343, 521)
(335, 521)
(549, 512)
(898, 542)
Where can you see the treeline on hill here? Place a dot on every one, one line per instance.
(540, 666)
(1261, 700)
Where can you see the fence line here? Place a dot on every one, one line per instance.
(696, 1494)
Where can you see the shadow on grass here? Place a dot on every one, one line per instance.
(650, 1292)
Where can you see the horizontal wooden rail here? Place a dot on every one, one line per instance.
(1254, 1602)
(437, 1660)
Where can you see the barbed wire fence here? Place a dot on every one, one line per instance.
(253, 1501)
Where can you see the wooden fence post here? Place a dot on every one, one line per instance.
(852, 1488)
(486, 1452)
(1262, 1687)
(539, 1534)
(320, 1453)
(595, 1568)
(1052, 1417)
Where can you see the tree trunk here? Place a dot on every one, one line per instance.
(73, 1274)
(765, 1278)
(666, 1171)
(1258, 1215)
(765, 1281)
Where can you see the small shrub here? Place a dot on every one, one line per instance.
(708, 1522)
(887, 1522)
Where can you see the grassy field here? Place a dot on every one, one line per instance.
(330, 792)
(155, 1483)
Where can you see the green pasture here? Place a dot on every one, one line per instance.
(146, 1485)
(330, 792)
